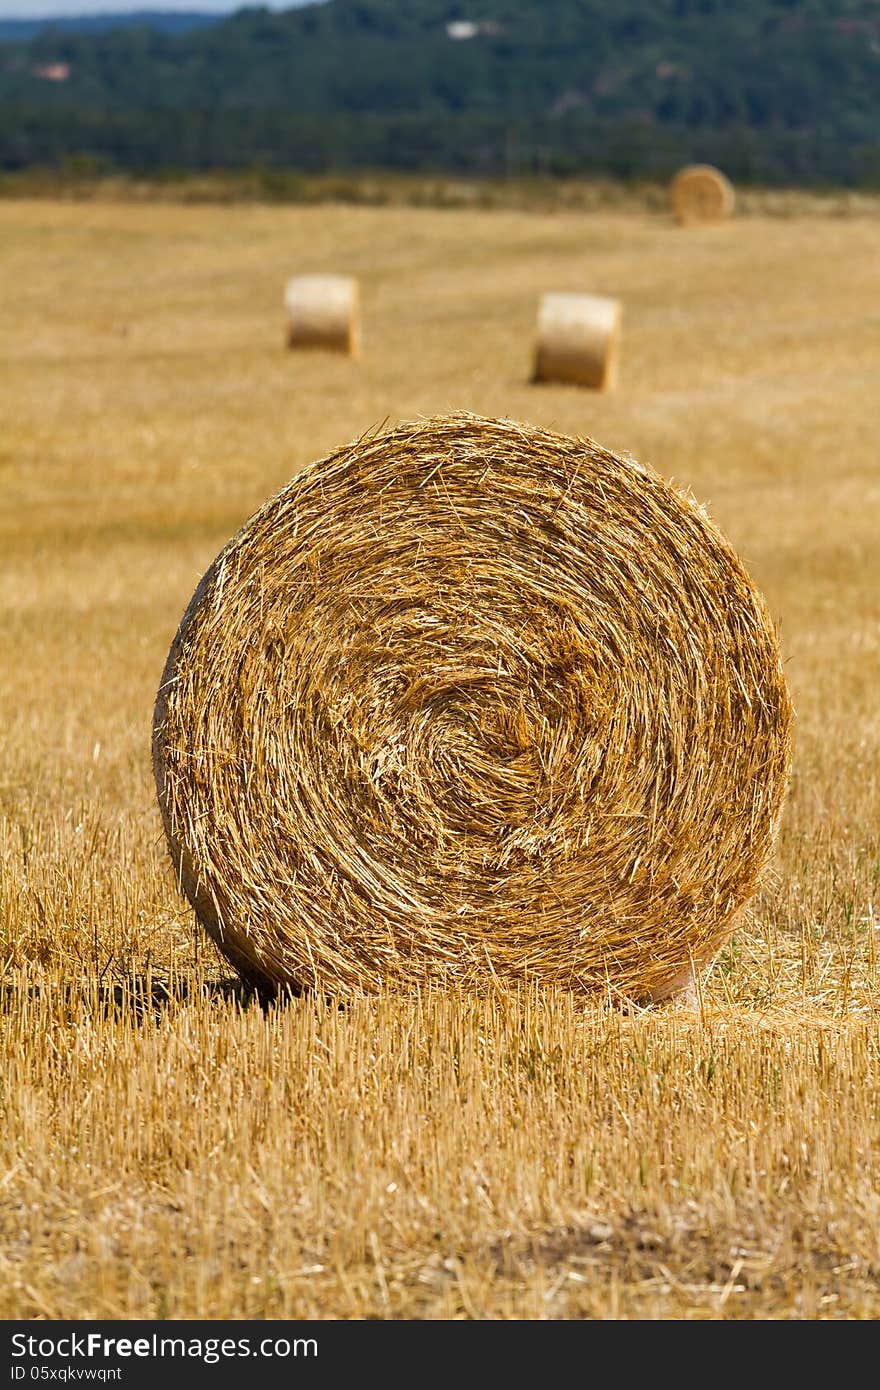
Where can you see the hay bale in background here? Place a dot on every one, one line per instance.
(701, 193)
(471, 699)
(578, 340)
(323, 311)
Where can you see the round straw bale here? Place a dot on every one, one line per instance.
(701, 193)
(323, 311)
(578, 340)
(469, 699)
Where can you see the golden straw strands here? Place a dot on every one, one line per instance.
(470, 699)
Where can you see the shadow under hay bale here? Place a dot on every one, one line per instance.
(578, 340)
(323, 311)
(700, 193)
(131, 995)
(469, 701)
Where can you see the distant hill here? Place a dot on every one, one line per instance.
(774, 91)
(163, 21)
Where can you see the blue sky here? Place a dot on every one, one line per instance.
(42, 9)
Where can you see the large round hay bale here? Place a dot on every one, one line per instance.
(323, 311)
(578, 340)
(701, 193)
(469, 699)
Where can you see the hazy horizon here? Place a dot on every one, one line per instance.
(64, 9)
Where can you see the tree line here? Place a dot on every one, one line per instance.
(774, 91)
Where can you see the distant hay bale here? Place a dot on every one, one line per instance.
(701, 193)
(323, 311)
(470, 700)
(578, 340)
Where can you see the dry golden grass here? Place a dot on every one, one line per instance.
(169, 1149)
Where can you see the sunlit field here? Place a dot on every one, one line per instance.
(171, 1149)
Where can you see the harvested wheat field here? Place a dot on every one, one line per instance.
(172, 1146)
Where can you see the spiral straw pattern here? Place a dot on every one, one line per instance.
(470, 699)
(701, 193)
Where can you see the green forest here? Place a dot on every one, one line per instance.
(776, 92)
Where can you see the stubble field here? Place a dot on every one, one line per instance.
(170, 1149)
